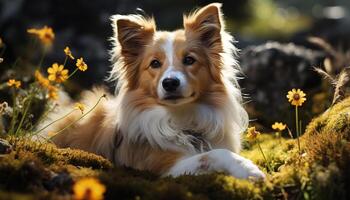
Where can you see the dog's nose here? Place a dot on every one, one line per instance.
(170, 84)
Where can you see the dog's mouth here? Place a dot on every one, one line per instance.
(177, 96)
(175, 99)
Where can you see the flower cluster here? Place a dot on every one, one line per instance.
(46, 86)
(57, 73)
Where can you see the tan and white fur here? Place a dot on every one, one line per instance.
(178, 107)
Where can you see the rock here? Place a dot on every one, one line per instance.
(271, 70)
(5, 147)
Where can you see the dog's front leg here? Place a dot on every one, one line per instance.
(217, 160)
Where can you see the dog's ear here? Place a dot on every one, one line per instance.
(206, 24)
(131, 35)
(133, 32)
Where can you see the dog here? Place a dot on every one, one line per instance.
(178, 107)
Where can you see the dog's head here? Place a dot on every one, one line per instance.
(173, 68)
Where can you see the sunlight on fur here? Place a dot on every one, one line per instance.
(177, 106)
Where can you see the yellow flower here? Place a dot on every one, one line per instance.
(81, 64)
(45, 34)
(80, 107)
(88, 189)
(252, 133)
(14, 83)
(68, 53)
(44, 82)
(53, 92)
(296, 97)
(279, 126)
(57, 73)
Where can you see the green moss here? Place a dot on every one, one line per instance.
(328, 150)
(335, 119)
(49, 154)
(276, 149)
(32, 169)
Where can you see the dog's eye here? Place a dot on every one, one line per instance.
(188, 60)
(155, 64)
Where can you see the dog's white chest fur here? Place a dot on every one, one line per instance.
(189, 129)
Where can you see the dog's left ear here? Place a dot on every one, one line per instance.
(206, 24)
(132, 32)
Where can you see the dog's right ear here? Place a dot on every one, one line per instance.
(206, 24)
(133, 32)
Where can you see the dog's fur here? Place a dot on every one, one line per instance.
(196, 131)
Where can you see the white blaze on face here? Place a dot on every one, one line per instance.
(171, 72)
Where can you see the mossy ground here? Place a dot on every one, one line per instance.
(41, 171)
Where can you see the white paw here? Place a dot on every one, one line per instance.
(217, 160)
(238, 166)
(252, 171)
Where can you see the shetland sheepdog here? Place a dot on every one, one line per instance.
(178, 107)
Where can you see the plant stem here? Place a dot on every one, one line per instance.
(73, 73)
(25, 113)
(290, 133)
(64, 116)
(42, 58)
(65, 61)
(14, 113)
(300, 127)
(43, 116)
(69, 125)
(44, 138)
(267, 163)
(34, 42)
(297, 127)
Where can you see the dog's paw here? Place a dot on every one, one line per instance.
(217, 160)
(246, 169)
(252, 171)
(237, 165)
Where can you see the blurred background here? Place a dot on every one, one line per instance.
(274, 37)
